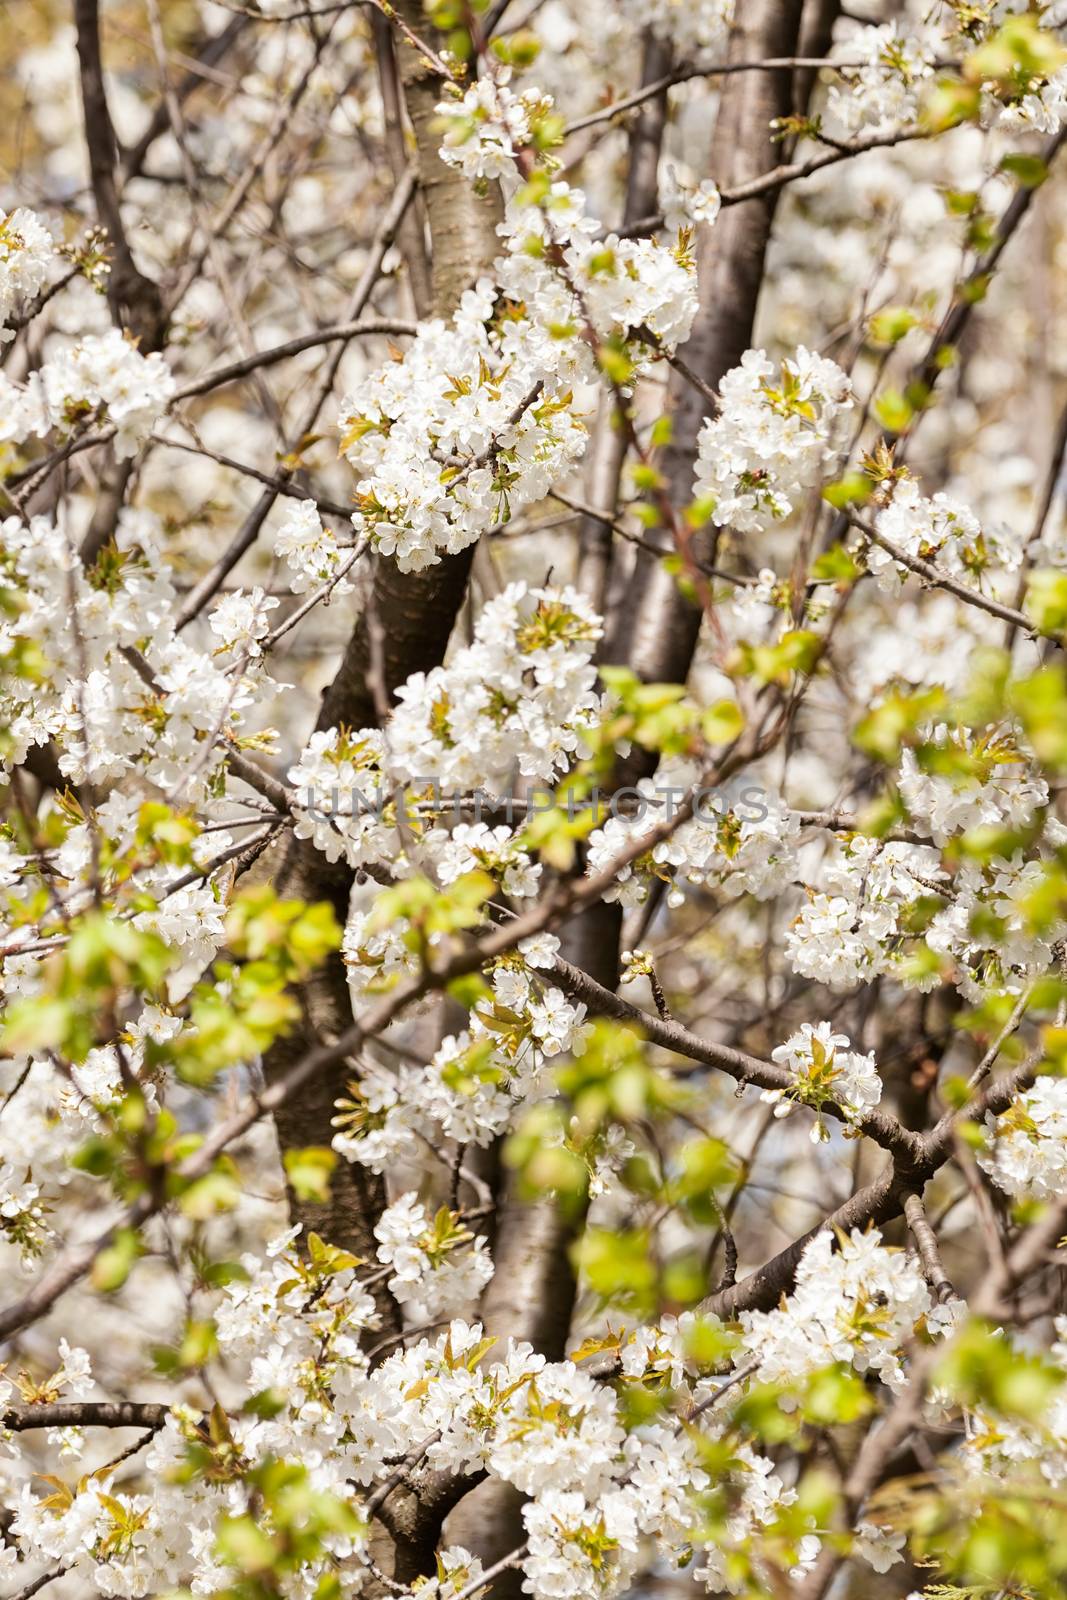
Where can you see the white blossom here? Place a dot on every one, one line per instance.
(824, 1067)
(438, 1266)
(1027, 1151)
(857, 1303)
(105, 375)
(27, 252)
(942, 530)
(311, 551)
(885, 90)
(239, 621)
(772, 439)
(701, 28)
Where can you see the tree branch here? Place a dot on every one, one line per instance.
(134, 299)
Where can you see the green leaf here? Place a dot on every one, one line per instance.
(888, 326)
(1040, 703)
(266, 1403)
(199, 1343)
(837, 565)
(241, 1542)
(1045, 602)
(981, 1367)
(618, 1267)
(722, 723)
(836, 1395)
(894, 410)
(1028, 170)
(885, 729)
(309, 1172)
(112, 1266)
(31, 1025)
(796, 651)
(209, 1196)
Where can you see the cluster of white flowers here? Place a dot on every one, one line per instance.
(293, 1329)
(22, 1214)
(457, 1570)
(564, 1533)
(106, 720)
(1042, 109)
(897, 62)
(484, 414)
(476, 1080)
(737, 848)
(100, 379)
(881, 1548)
(240, 621)
(987, 929)
(486, 124)
(556, 1435)
(773, 436)
(100, 1529)
(1034, 98)
(535, 1453)
(995, 788)
(311, 551)
(925, 642)
(845, 931)
(27, 251)
(941, 530)
(339, 780)
(981, 922)
(700, 29)
(439, 1267)
(687, 204)
(570, 276)
(1027, 1151)
(475, 846)
(994, 1445)
(519, 702)
(857, 1303)
(470, 426)
(824, 1067)
(289, 1330)
(886, 71)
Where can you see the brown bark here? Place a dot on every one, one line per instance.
(462, 223)
(134, 299)
(531, 1293)
(417, 611)
(816, 37)
(656, 626)
(412, 229)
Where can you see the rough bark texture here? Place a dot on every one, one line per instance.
(417, 611)
(657, 627)
(657, 637)
(134, 299)
(532, 1292)
(461, 223)
(413, 227)
(531, 1295)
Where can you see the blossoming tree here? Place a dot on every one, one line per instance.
(533, 717)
